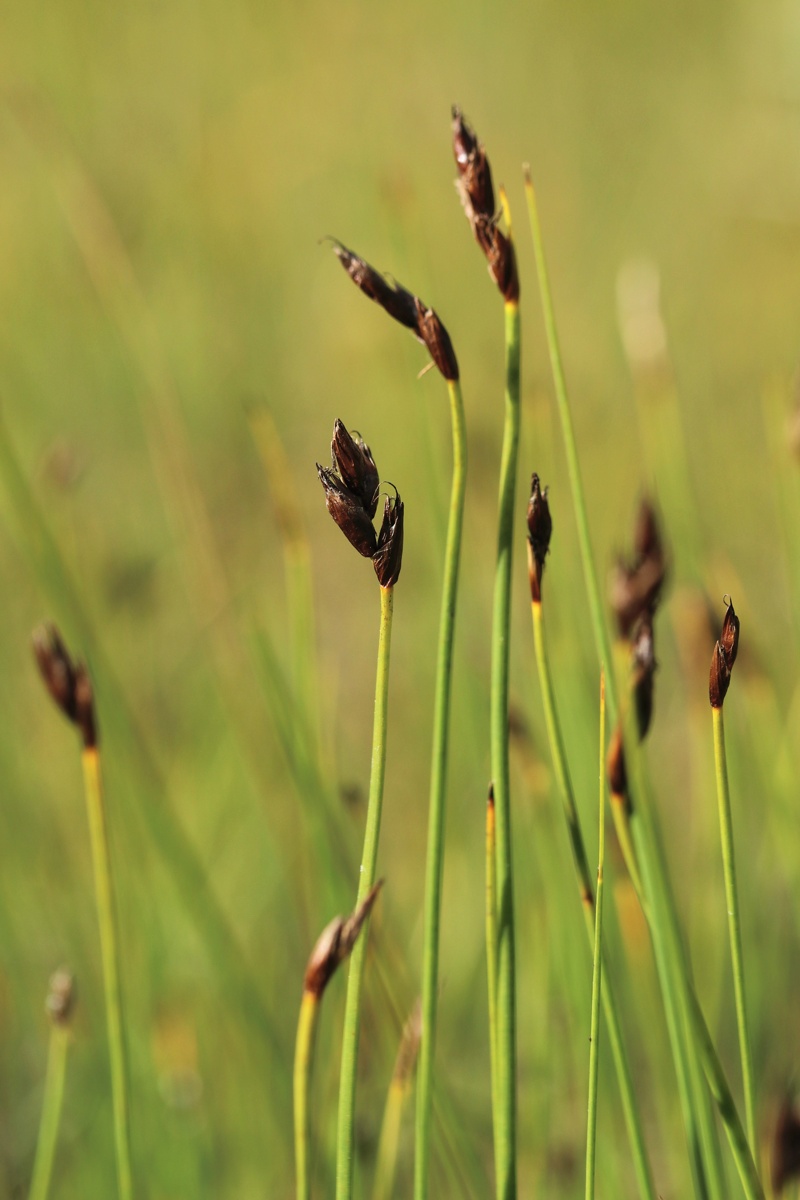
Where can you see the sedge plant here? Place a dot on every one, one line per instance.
(724, 657)
(60, 1008)
(331, 949)
(352, 489)
(477, 196)
(71, 689)
(424, 323)
(540, 527)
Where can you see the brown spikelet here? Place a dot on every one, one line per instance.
(348, 512)
(723, 658)
(61, 996)
(388, 558)
(540, 529)
(335, 943)
(68, 683)
(353, 460)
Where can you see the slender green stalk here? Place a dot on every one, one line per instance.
(570, 447)
(506, 1115)
(641, 1164)
(734, 925)
(106, 915)
(438, 794)
(51, 1111)
(597, 964)
(491, 948)
(355, 975)
(303, 1054)
(631, 838)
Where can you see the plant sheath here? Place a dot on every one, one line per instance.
(106, 914)
(438, 794)
(734, 924)
(355, 975)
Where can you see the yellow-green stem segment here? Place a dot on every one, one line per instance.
(641, 1163)
(355, 976)
(734, 925)
(303, 1055)
(51, 1112)
(106, 915)
(438, 794)
(491, 945)
(506, 1109)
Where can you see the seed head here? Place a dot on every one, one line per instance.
(388, 558)
(348, 512)
(476, 192)
(636, 585)
(617, 773)
(335, 943)
(352, 458)
(723, 658)
(61, 996)
(540, 528)
(404, 307)
(68, 683)
(644, 670)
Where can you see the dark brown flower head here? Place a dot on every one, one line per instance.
(68, 683)
(352, 458)
(61, 996)
(540, 528)
(436, 339)
(501, 258)
(636, 585)
(644, 670)
(617, 773)
(404, 307)
(388, 558)
(786, 1147)
(475, 174)
(348, 512)
(723, 658)
(335, 943)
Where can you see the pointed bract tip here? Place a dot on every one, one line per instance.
(335, 943)
(68, 683)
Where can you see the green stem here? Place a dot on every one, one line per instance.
(597, 966)
(106, 915)
(436, 812)
(630, 1107)
(51, 1112)
(506, 1117)
(573, 467)
(303, 1054)
(355, 975)
(734, 925)
(491, 950)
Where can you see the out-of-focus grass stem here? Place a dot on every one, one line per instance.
(59, 1004)
(355, 976)
(438, 794)
(597, 964)
(734, 924)
(109, 946)
(506, 972)
(630, 1106)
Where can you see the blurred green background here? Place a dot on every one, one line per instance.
(167, 172)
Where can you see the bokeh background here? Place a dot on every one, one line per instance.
(175, 344)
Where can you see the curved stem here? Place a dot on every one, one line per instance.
(51, 1112)
(303, 1055)
(106, 915)
(355, 975)
(641, 1164)
(436, 812)
(506, 1114)
(734, 925)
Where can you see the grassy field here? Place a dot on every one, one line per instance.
(176, 342)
